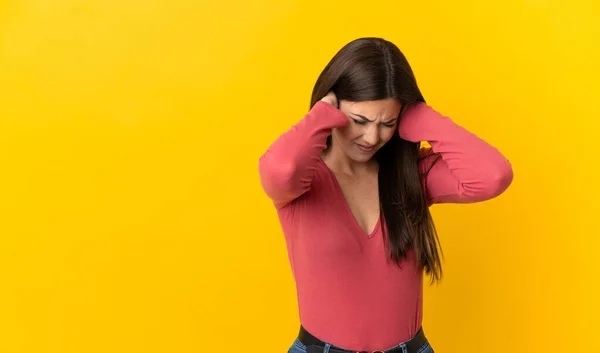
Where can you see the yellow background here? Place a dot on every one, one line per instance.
(131, 217)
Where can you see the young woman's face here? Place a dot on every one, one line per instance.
(372, 124)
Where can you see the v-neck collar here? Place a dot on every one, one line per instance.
(347, 206)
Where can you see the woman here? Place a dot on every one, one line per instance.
(352, 187)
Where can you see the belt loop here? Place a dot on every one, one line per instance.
(326, 349)
(403, 346)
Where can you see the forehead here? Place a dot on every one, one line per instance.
(384, 109)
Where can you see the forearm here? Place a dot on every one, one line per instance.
(287, 167)
(480, 170)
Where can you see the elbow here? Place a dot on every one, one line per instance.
(495, 182)
(501, 180)
(276, 178)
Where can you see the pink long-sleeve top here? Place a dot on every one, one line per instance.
(349, 294)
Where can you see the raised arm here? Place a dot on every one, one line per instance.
(462, 168)
(287, 167)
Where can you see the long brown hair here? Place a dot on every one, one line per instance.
(369, 69)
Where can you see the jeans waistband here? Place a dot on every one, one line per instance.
(315, 345)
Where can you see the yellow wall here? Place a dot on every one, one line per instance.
(131, 217)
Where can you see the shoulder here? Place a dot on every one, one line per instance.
(323, 188)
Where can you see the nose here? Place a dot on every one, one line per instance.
(371, 136)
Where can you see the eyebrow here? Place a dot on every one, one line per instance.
(366, 119)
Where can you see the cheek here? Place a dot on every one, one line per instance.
(350, 132)
(387, 134)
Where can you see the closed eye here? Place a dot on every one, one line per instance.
(389, 123)
(363, 120)
(359, 122)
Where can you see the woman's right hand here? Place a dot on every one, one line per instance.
(331, 98)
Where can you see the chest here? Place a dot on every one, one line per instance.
(361, 196)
